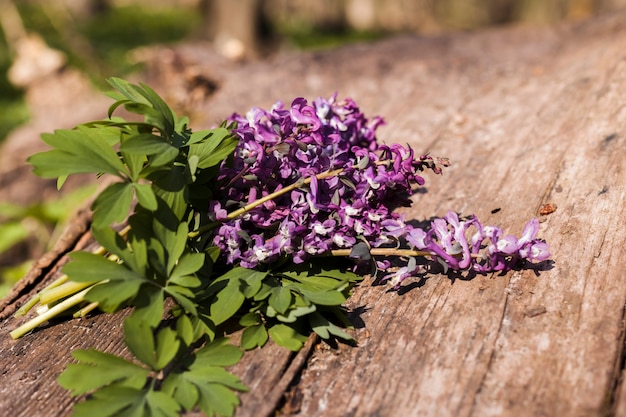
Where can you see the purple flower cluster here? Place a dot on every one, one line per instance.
(468, 245)
(348, 186)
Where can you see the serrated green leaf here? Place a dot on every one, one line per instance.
(113, 401)
(80, 150)
(135, 164)
(162, 405)
(228, 294)
(254, 336)
(192, 162)
(165, 112)
(145, 196)
(280, 299)
(287, 337)
(182, 390)
(213, 252)
(112, 204)
(126, 90)
(97, 369)
(263, 293)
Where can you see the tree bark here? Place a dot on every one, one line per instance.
(528, 118)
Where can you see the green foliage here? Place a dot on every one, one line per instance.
(179, 358)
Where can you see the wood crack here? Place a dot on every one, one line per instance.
(275, 397)
(492, 356)
(618, 373)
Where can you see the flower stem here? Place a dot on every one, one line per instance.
(62, 291)
(301, 182)
(51, 313)
(383, 252)
(36, 299)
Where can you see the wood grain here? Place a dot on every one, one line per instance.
(528, 117)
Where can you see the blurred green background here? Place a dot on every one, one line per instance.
(97, 37)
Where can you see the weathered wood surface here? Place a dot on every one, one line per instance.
(527, 117)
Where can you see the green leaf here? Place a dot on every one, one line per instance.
(145, 196)
(295, 313)
(112, 204)
(149, 306)
(139, 338)
(216, 399)
(167, 344)
(219, 353)
(184, 329)
(250, 319)
(175, 243)
(79, 150)
(97, 369)
(324, 328)
(141, 99)
(206, 383)
(188, 264)
(325, 298)
(254, 336)
(121, 401)
(280, 299)
(89, 267)
(148, 144)
(227, 302)
(228, 292)
(213, 148)
(183, 297)
(113, 242)
(287, 337)
(121, 284)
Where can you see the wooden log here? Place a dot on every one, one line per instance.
(528, 117)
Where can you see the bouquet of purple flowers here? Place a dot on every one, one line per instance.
(238, 227)
(350, 188)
